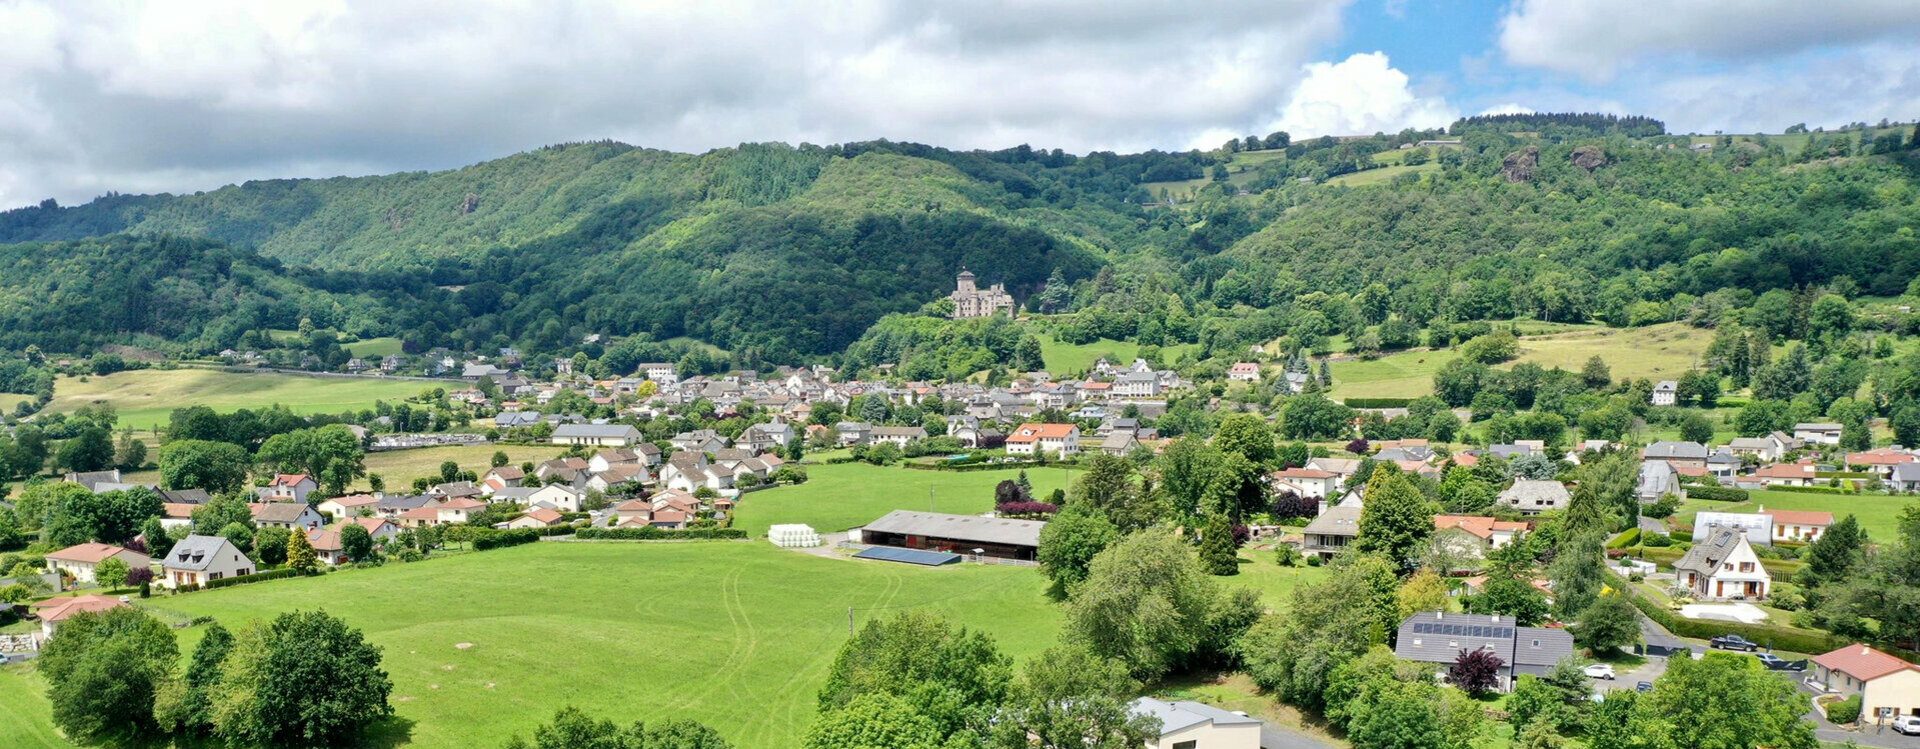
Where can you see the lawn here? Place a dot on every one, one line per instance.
(733, 634)
(1403, 375)
(1655, 352)
(1065, 358)
(1381, 175)
(1259, 570)
(26, 718)
(374, 348)
(1878, 514)
(849, 495)
(146, 398)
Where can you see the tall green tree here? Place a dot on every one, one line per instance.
(1217, 549)
(1247, 435)
(1835, 553)
(1396, 519)
(217, 467)
(1727, 701)
(89, 450)
(330, 454)
(1578, 573)
(950, 675)
(1186, 468)
(305, 678)
(186, 704)
(103, 670)
(1069, 698)
(1147, 603)
(1070, 541)
(1111, 486)
(1295, 651)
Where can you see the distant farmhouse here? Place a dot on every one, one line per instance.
(970, 301)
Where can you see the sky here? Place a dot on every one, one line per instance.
(179, 96)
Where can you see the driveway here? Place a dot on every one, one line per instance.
(1276, 737)
(1866, 736)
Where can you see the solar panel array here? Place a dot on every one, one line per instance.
(1462, 630)
(910, 556)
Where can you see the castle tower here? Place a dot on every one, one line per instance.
(966, 281)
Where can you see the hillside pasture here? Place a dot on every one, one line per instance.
(1066, 358)
(374, 348)
(1654, 352)
(849, 495)
(1380, 175)
(146, 398)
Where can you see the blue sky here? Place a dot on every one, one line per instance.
(182, 95)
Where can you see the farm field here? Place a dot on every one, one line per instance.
(849, 495)
(1380, 175)
(400, 467)
(1878, 514)
(1065, 358)
(374, 347)
(8, 401)
(26, 718)
(1654, 352)
(146, 398)
(736, 635)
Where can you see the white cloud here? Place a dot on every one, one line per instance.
(1865, 84)
(189, 95)
(1508, 108)
(1596, 39)
(1362, 94)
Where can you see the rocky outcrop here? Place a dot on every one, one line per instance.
(471, 204)
(1520, 164)
(1589, 157)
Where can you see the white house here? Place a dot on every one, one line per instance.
(198, 560)
(1535, 496)
(557, 496)
(288, 487)
(596, 435)
(1665, 393)
(1136, 385)
(1798, 525)
(350, 506)
(1311, 483)
(1723, 567)
(899, 436)
(295, 515)
(1888, 686)
(1192, 725)
(1245, 371)
(79, 561)
(1031, 438)
(1817, 433)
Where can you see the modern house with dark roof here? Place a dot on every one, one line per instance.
(1439, 638)
(960, 534)
(1332, 531)
(1191, 725)
(198, 560)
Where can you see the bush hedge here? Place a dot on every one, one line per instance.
(1779, 568)
(1377, 402)
(1718, 494)
(1844, 711)
(650, 533)
(1808, 490)
(554, 530)
(493, 539)
(253, 578)
(1631, 537)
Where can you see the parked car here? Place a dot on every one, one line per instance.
(1600, 671)
(1771, 661)
(1734, 642)
(1907, 724)
(1645, 686)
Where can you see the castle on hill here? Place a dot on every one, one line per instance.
(970, 301)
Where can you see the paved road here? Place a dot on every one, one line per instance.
(1275, 737)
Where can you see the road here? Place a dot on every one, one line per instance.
(1273, 737)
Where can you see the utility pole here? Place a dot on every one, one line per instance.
(849, 621)
(929, 499)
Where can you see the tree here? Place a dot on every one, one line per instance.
(300, 553)
(1026, 355)
(1396, 520)
(1186, 468)
(304, 678)
(1608, 624)
(1070, 541)
(500, 459)
(111, 573)
(356, 542)
(1111, 486)
(949, 675)
(872, 721)
(1295, 653)
(1578, 573)
(1146, 602)
(240, 535)
(572, 728)
(1476, 671)
(12, 534)
(220, 512)
(1696, 428)
(1835, 553)
(1595, 374)
(1399, 719)
(1217, 550)
(89, 450)
(1313, 416)
(1727, 701)
(110, 517)
(131, 453)
(1249, 436)
(1069, 698)
(186, 704)
(330, 454)
(1510, 596)
(270, 544)
(103, 670)
(1423, 591)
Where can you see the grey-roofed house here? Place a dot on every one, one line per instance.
(596, 435)
(395, 505)
(1332, 531)
(1905, 477)
(185, 496)
(93, 479)
(198, 560)
(1190, 725)
(1004, 538)
(1535, 496)
(1439, 638)
(1682, 454)
(512, 419)
(1658, 478)
(1509, 452)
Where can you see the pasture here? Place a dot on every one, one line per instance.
(1878, 514)
(1381, 175)
(146, 398)
(1067, 358)
(849, 495)
(1655, 352)
(398, 468)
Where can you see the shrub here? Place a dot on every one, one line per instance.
(1718, 494)
(1377, 402)
(492, 539)
(1656, 541)
(411, 555)
(253, 578)
(1844, 711)
(1631, 537)
(1686, 536)
(1313, 561)
(650, 533)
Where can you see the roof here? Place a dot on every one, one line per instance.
(960, 527)
(1862, 662)
(195, 552)
(278, 512)
(1705, 557)
(89, 553)
(1881, 457)
(371, 524)
(596, 431)
(1669, 450)
(1800, 517)
(1784, 471)
(543, 515)
(185, 496)
(1184, 714)
(1304, 473)
(325, 540)
(1336, 521)
(428, 512)
(1031, 432)
(290, 479)
(1480, 527)
(355, 500)
(461, 503)
(60, 609)
(1435, 637)
(1528, 489)
(1816, 426)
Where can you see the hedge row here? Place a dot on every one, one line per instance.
(963, 467)
(1718, 494)
(501, 539)
(253, 578)
(554, 530)
(1631, 537)
(1810, 489)
(650, 533)
(1782, 569)
(1378, 402)
(1767, 635)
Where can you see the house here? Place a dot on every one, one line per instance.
(1680, 454)
(539, 517)
(1032, 438)
(1658, 478)
(456, 490)
(1723, 465)
(1888, 686)
(1340, 467)
(1881, 461)
(350, 506)
(558, 497)
(198, 560)
(605, 481)
(395, 505)
(1758, 527)
(327, 547)
(899, 436)
(378, 528)
(502, 477)
(1492, 533)
(295, 515)
(1535, 496)
(1817, 433)
(419, 517)
(93, 479)
(288, 487)
(688, 471)
(515, 419)
(1004, 538)
(1723, 567)
(596, 435)
(769, 436)
(1332, 531)
(185, 496)
(458, 510)
(1245, 371)
(852, 432)
(1311, 483)
(1786, 474)
(1119, 443)
(1768, 448)
(1136, 385)
(1798, 525)
(1439, 638)
(1191, 725)
(1905, 478)
(79, 561)
(174, 515)
(1665, 393)
(698, 441)
(55, 611)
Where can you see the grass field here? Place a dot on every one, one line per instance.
(1380, 175)
(736, 635)
(26, 718)
(146, 398)
(400, 467)
(1878, 514)
(373, 348)
(1065, 358)
(849, 495)
(10, 400)
(1655, 352)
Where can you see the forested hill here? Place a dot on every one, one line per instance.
(779, 253)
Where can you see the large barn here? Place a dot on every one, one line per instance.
(960, 534)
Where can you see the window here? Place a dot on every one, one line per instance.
(1746, 566)
(1185, 744)
(1536, 643)
(1416, 640)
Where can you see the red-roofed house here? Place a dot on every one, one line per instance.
(327, 546)
(1785, 474)
(538, 517)
(419, 517)
(1245, 371)
(1030, 439)
(53, 611)
(1492, 533)
(288, 487)
(1798, 525)
(1887, 686)
(80, 560)
(378, 528)
(350, 506)
(1881, 460)
(458, 510)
